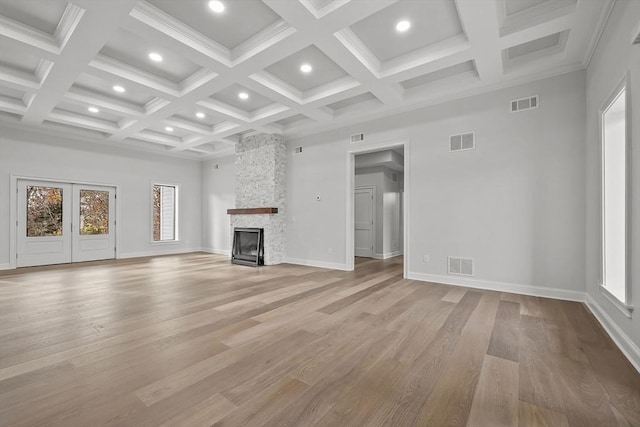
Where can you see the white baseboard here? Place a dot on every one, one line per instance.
(6, 266)
(535, 291)
(156, 252)
(622, 340)
(225, 252)
(388, 255)
(315, 263)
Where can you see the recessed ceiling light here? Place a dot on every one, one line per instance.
(306, 68)
(118, 88)
(155, 57)
(200, 115)
(93, 110)
(403, 26)
(243, 95)
(216, 6)
(169, 129)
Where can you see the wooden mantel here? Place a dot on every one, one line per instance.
(252, 211)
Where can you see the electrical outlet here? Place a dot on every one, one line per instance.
(425, 258)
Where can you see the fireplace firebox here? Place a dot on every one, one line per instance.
(248, 246)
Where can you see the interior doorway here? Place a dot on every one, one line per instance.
(61, 222)
(377, 220)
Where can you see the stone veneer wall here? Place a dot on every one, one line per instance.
(261, 164)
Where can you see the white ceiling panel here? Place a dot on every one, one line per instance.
(445, 73)
(515, 6)
(163, 129)
(134, 50)
(292, 120)
(349, 102)
(323, 69)
(16, 58)
(230, 96)
(319, 4)
(533, 46)
(240, 20)
(83, 110)
(190, 114)
(42, 15)
(102, 87)
(11, 93)
(431, 21)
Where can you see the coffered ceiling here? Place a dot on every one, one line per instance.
(82, 68)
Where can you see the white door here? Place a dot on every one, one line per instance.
(93, 223)
(44, 223)
(364, 227)
(60, 223)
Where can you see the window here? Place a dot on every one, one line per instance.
(614, 197)
(44, 211)
(165, 213)
(94, 212)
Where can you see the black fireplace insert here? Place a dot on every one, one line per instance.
(248, 246)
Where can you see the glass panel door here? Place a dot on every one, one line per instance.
(44, 223)
(95, 218)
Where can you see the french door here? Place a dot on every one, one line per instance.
(62, 222)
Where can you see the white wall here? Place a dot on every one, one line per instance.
(613, 58)
(515, 204)
(134, 173)
(218, 195)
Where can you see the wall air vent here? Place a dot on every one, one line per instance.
(358, 137)
(297, 150)
(216, 166)
(460, 266)
(524, 104)
(463, 141)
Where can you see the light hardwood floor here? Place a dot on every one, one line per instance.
(192, 340)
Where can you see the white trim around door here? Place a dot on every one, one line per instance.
(350, 211)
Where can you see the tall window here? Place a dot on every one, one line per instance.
(165, 212)
(614, 190)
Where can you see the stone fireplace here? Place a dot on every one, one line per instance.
(260, 191)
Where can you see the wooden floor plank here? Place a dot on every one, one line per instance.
(495, 402)
(538, 383)
(530, 415)
(258, 410)
(194, 340)
(504, 337)
(451, 400)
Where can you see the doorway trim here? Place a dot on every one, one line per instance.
(350, 211)
(13, 210)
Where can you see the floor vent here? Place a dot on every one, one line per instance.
(524, 104)
(460, 266)
(358, 137)
(297, 150)
(463, 141)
